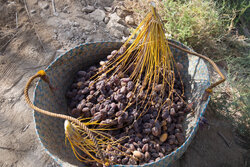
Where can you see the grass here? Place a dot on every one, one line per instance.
(218, 29)
(240, 8)
(233, 99)
(192, 22)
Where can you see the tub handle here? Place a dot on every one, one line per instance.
(41, 74)
(216, 68)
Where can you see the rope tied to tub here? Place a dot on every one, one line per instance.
(42, 74)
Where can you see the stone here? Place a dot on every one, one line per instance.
(102, 24)
(114, 18)
(108, 9)
(122, 22)
(69, 34)
(59, 52)
(129, 20)
(126, 32)
(83, 2)
(46, 6)
(114, 27)
(76, 24)
(32, 11)
(104, 2)
(84, 36)
(116, 33)
(97, 15)
(88, 9)
(106, 20)
(64, 10)
(43, 4)
(88, 26)
(89, 39)
(123, 13)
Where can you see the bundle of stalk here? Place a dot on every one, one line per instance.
(80, 140)
(148, 64)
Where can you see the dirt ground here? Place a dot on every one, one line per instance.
(32, 34)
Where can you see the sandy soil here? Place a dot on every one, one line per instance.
(29, 42)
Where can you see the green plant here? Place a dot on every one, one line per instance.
(233, 99)
(239, 72)
(192, 22)
(197, 23)
(240, 10)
